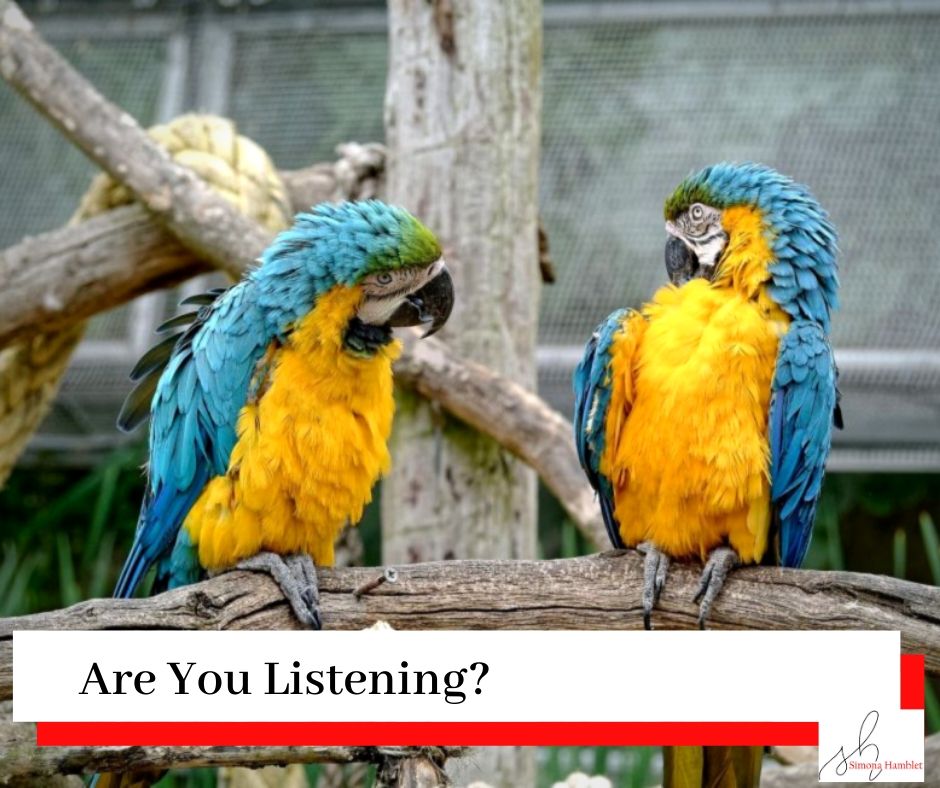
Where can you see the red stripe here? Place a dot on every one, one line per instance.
(477, 734)
(912, 681)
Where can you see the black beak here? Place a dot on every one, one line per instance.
(430, 306)
(681, 262)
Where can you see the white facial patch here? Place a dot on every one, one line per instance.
(699, 228)
(385, 291)
(709, 249)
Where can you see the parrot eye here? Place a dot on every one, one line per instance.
(697, 212)
(384, 278)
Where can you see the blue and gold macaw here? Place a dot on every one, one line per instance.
(271, 411)
(726, 374)
(704, 419)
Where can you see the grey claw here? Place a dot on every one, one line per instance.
(655, 569)
(296, 576)
(703, 583)
(719, 565)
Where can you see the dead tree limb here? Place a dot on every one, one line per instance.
(594, 592)
(21, 760)
(57, 279)
(202, 220)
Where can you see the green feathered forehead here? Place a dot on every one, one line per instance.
(417, 246)
(340, 244)
(724, 185)
(687, 193)
(398, 239)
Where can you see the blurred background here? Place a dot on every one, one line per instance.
(844, 96)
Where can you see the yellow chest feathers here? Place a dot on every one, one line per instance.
(691, 461)
(309, 449)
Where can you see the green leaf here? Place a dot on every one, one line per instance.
(900, 553)
(931, 545)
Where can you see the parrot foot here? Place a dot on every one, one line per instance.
(655, 567)
(296, 576)
(719, 565)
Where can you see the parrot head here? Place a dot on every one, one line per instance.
(394, 260)
(749, 227)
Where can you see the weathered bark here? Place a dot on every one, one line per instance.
(462, 129)
(62, 277)
(462, 125)
(594, 592)
(21, 760)
(57, 279)
(424, 770)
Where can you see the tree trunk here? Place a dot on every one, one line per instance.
(462, 121)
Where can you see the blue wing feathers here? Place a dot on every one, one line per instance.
(801, 421)
(592, 391)
(199, 395)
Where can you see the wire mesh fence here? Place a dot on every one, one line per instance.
(843, 97)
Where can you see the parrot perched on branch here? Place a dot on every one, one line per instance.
(704, 419)
(270, 412)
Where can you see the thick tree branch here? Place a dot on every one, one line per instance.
(201, 219)
(57, 279)
(22, 760)
(595, 592)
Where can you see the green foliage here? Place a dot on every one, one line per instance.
(67, 531)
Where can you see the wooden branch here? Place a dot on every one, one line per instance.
(59, 278)
(200, 218)
(595, 592)
(517, 418)
(21, 760)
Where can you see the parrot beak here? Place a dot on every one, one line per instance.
(681, 262)
(430, 306)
